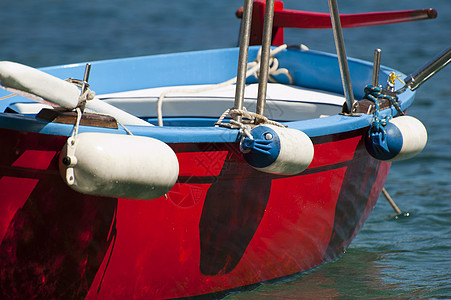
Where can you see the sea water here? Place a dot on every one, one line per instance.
(404, 257)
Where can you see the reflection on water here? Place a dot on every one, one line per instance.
(357, 274)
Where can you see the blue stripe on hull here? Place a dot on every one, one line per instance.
(311, 69)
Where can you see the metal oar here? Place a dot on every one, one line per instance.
(341, 53)
(243, 55)
(266, 48)
(390, 200)
(376, 70)
(345, 76)
(414, 80)
(289, 18)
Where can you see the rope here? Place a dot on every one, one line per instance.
(6, 97)
(273, 65)
(244, 126)
(375, 94)
(222, 117)
(87, 94)
(77, 123)
(245, 129)
(125, 128)
(80, 115)
(254, 118)
(253, 70)
(70, 160)
(248, 120)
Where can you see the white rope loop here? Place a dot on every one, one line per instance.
(273, 65)
(77, 122)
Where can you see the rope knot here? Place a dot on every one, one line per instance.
(250, 119)
(87, 94)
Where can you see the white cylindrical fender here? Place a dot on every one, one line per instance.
(28, 81)
(98, 106)
(278, 150)
(404, 137)
(43, 87)
(119, 166)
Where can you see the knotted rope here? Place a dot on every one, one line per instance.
(85, 95)
(376, 94)
(248, 120)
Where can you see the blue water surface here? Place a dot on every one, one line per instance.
(392, 257)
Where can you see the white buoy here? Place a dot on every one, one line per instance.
(278, 150)
(404, 137)
(98, 106)
(45, 88)
(119, 166)
(38, 85)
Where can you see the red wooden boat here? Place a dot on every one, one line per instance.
(109, 206)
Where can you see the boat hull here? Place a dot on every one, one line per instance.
(223, 225)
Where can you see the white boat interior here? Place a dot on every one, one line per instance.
(208, 102)
(284, 102)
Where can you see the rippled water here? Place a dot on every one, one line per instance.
(405, 257)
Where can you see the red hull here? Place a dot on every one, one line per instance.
(223, 225)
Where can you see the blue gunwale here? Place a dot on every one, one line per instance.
(311, 69)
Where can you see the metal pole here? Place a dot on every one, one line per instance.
(376, 66)
(390, 200)
(243, 55)
(85, 77)
(413, 81)
(266, 52)
(85, 85)
(341, 53)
